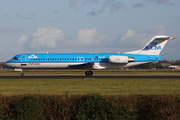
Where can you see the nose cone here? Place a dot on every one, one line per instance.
(7, 63)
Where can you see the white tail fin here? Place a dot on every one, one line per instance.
(154, 46)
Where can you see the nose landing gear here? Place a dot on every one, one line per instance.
(89, 73)
(21, 74)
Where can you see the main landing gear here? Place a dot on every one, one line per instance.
(89, 73)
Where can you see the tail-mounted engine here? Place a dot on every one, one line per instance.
(120, 59)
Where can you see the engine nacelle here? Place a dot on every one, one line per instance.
(120, 59)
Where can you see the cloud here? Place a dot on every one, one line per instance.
(89, 37)
(18, 46)
(160, 1)
(133, 39)
(138, 5)
(113, 5)
(171, 4)
(46, 38)
(90, 1)
(23, 39)
(174, 42)
(178, 17)
(5, 28)
(31, 16)
(93, 13)
(7, 16)
(73, 2)
(100, 11)
(56, 11)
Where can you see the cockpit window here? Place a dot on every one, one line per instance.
(14, 58)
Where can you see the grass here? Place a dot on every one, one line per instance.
(84, 86)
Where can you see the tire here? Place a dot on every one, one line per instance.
(88, 73)
(21, 74)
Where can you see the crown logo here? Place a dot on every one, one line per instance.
(117, 59)
(153, 43)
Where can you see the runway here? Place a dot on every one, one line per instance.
(92, 77)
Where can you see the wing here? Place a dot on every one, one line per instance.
(81, 66)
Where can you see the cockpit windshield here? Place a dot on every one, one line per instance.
(14, 58)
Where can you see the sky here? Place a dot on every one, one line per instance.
(87, 26)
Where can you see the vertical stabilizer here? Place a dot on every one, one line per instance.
(154, 46)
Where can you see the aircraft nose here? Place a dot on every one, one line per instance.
(7, 63)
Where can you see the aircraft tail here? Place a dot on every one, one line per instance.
(154, 46)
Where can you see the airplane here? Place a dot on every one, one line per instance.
(89, 61)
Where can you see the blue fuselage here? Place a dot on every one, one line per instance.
(77, 57)
(76, 60)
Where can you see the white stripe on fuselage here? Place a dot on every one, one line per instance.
(40, 65)
(95, 65)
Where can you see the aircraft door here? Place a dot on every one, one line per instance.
(24, 60)
(80, 59)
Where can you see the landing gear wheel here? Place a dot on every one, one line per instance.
(22, 74)
(89, 73)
